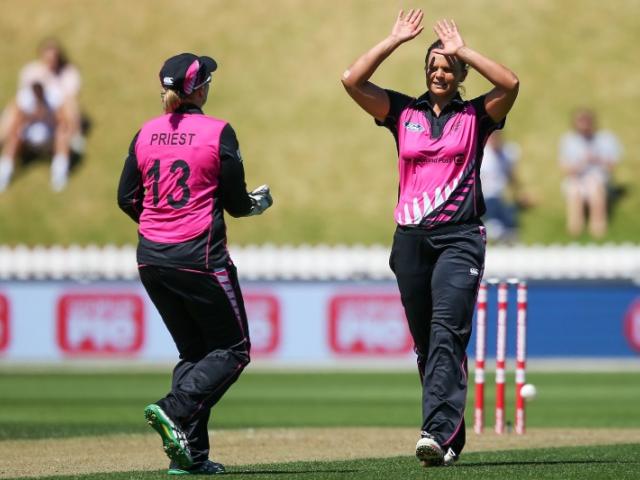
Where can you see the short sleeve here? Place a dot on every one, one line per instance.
(70, 81)
(610, 147)
(569, 150)
(32, 72)
(486, 125)
(26, 101)
(397, 103)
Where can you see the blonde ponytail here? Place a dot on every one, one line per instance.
(170, 101)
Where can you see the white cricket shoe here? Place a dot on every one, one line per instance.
(450, 458)
(429, 452)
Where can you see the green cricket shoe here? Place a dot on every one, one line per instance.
(174, 441)
(206, 468)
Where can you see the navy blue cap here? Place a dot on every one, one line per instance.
(186, 72)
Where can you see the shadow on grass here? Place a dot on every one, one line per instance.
(289, 472)
(540, 462)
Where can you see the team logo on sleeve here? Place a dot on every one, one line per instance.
(413, 127)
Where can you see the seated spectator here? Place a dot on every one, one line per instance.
(45, 116)
(500, 188)
(588, 156)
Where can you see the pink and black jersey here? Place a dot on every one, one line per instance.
(439, 159)
(182, 170)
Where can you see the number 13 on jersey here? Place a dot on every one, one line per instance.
(184, 172)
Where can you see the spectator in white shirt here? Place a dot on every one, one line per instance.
(588, 156)
(498, 180)
(45, 116)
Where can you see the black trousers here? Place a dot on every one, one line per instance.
(204, 312)
(438, 274)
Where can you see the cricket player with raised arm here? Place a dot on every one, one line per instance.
(439, 244)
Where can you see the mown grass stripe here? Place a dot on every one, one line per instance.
(615, 462)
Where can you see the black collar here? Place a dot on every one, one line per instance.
(188, 108)
(424, 102)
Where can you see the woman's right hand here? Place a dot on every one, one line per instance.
(407, 27)
(373, 99)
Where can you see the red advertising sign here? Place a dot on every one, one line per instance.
(4, 323)
(632, 325)
(263, 313)
(368, 324)
(105, 324)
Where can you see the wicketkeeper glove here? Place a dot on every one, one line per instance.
(260, 200)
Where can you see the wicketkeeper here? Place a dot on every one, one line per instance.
(183, 169)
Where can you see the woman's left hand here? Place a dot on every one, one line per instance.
(449, 36)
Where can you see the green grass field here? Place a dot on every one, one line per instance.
(46, 405)
(54, 404)
(613, 462)
(332, 173)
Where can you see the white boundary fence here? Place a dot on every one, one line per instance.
(321, 306)
(324, 262)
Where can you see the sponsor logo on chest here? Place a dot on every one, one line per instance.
(413, 127)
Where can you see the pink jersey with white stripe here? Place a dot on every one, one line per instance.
(438, 174)
(178, 156)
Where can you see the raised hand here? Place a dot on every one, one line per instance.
(408, 26)
(449, 36)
